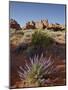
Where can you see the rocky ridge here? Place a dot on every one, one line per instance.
(43, 24)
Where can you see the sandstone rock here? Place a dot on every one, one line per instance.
(42, 24)
(56, 27)
(39, 25)
(30, 25)
(14, 24)
(62, 27)
(51, 26)
(45, 23)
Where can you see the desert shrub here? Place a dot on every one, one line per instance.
(35, 73)
(19, 32)
(42, 39)
(31, 51)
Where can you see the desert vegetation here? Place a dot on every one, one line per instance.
(42, 39)
(37, 72)
(37, 55)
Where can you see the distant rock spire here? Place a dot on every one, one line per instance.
(14, 24)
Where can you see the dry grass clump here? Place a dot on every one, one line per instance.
(41, 39)
(58, 36)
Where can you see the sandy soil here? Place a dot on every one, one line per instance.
(58, 54)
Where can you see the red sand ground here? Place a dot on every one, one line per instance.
(17, 60)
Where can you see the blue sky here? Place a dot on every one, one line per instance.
(23, 12)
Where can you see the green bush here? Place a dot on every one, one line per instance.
(42, 39)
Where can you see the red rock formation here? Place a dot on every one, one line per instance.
(56, 27)
(51, 26)
(30, 25)
(39, 25)
(14, 24)
(43, 24)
